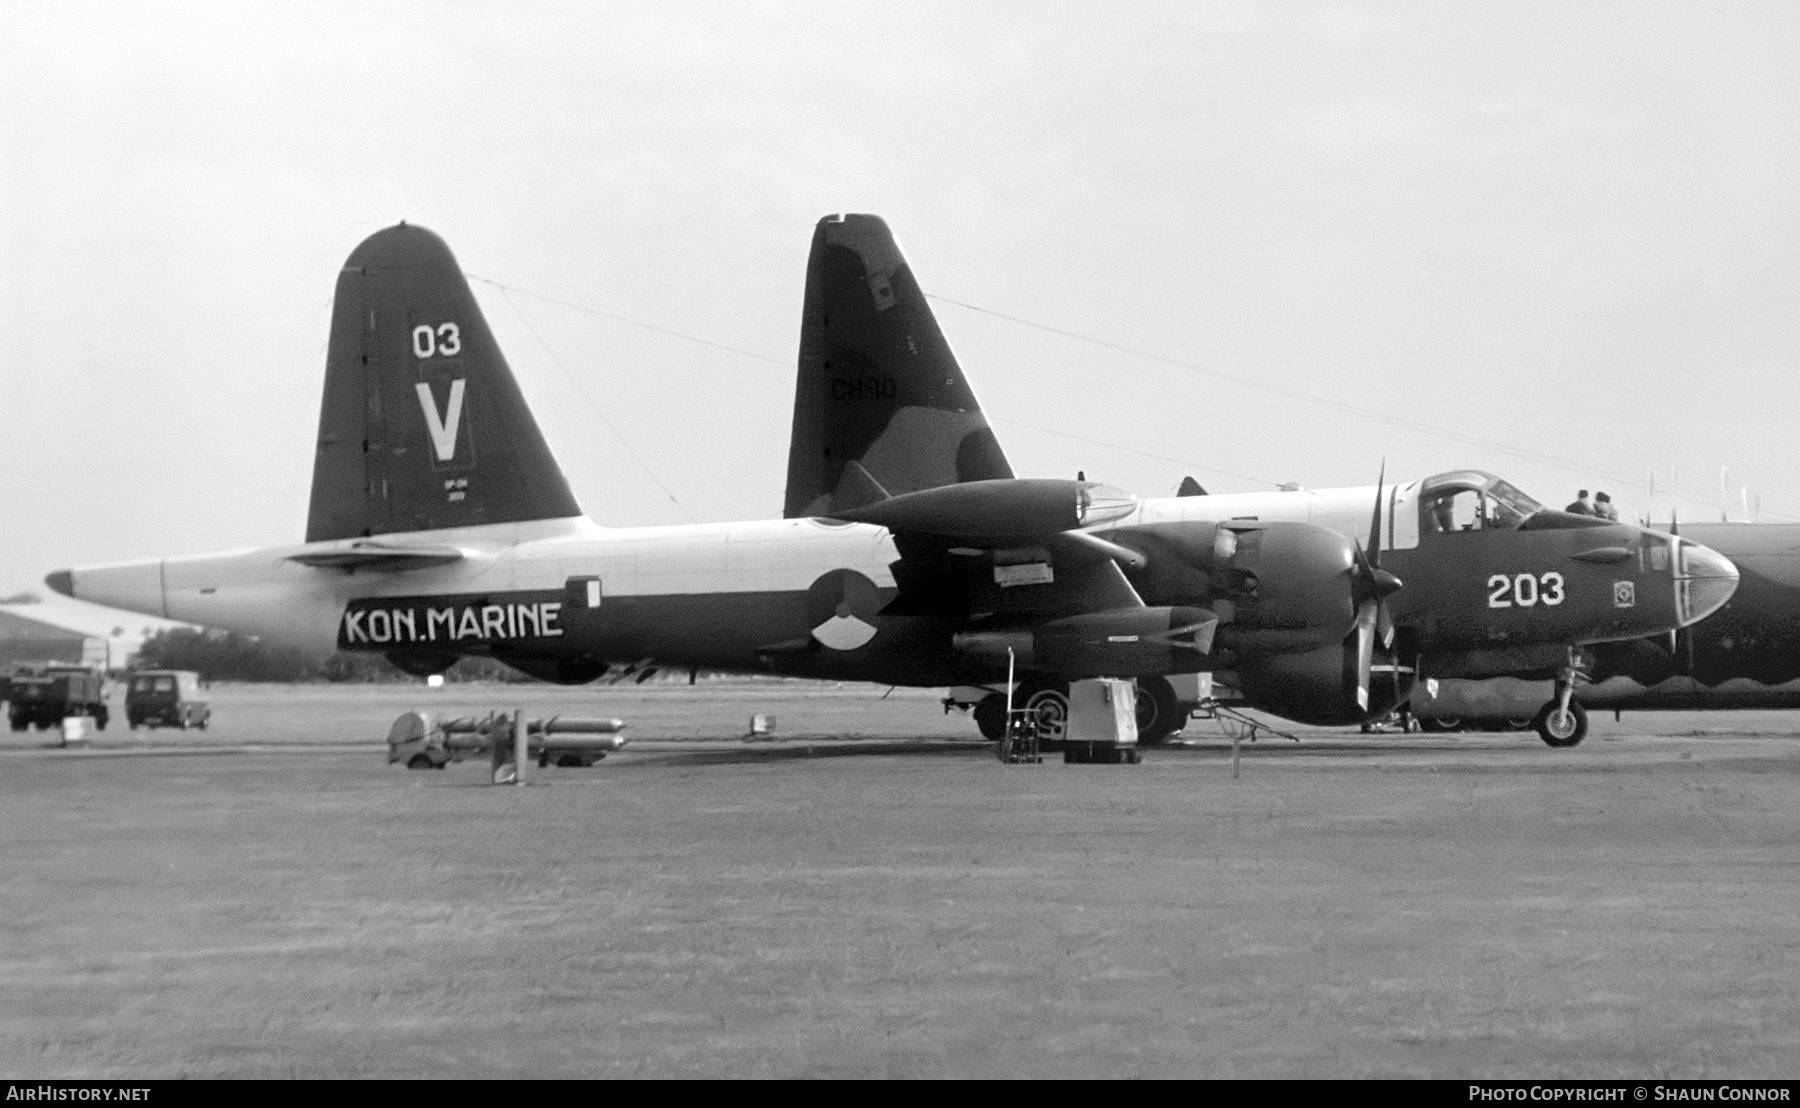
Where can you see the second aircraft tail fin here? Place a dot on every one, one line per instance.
(878, 384)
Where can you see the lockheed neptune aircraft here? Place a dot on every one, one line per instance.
(440, 526)
(886, 430)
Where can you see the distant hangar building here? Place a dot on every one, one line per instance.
(66, 632)
(23, 639)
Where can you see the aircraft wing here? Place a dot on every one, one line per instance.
(1006, 547)
(947, 576)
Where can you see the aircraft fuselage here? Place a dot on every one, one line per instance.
(1490, 599)
(797, 596)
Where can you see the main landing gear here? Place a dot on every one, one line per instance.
(1161, 712)
(990, 716)
(1562, 721)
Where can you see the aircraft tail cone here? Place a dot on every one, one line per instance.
(133, 586)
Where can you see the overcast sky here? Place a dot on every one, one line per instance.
(1559, 241)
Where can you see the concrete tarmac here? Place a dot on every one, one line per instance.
(872, 894)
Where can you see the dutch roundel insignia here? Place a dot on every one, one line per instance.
(1624, 594)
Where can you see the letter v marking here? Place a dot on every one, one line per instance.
(443, 429)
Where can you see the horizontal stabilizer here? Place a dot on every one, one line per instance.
(383, 556)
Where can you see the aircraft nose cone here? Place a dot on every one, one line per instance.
(62, 581)
(1706, 580)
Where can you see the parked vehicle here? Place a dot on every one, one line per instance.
(166, 697)
(45, 697)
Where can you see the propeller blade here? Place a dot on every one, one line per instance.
(1375, 520)
(1367, 615)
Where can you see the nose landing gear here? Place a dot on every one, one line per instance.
(1562, 721)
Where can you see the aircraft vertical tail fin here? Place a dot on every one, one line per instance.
(878, 384)
(423, 426)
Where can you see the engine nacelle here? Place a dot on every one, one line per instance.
(1317, 686)
(1275, 586)
(1326, 686)
(1291, 582)
(1329, 685)
(1125, 642)
(1299, 612)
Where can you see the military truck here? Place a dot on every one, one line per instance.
(45, 697)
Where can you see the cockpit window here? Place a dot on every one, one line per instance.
(1449, 510)
(1474, 501)
(1517, 506)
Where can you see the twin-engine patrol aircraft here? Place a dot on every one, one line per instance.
(440, 526)
(1495, 583)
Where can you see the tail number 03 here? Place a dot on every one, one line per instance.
(428, 342)
(1524, 591)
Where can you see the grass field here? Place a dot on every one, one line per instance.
(874, 895)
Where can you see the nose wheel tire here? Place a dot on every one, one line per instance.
(1558, 726)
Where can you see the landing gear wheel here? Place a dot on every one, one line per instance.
(1050, 704)
(1559, 727)
(1439, 724)
(990, 716)
(1158, 711)
(420, 761)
